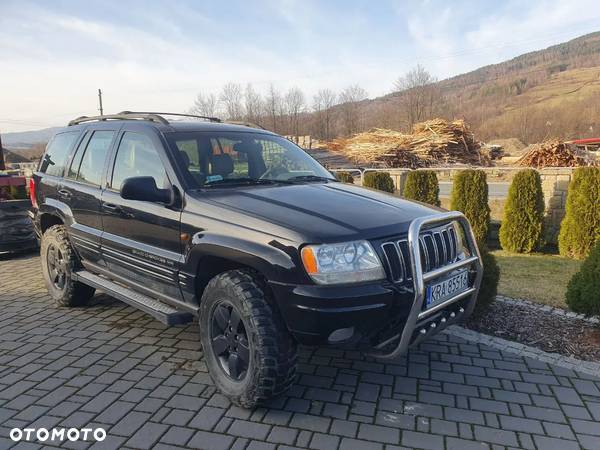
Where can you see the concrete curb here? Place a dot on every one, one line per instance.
(594, 320)
(567, 362)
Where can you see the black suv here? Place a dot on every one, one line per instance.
(241, 229)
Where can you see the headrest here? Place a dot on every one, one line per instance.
(221, 164)
(185, 158)
(247, 147)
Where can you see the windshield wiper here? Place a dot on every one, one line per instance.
(242, 180)
(310, 178)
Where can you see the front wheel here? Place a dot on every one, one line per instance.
(250, 355)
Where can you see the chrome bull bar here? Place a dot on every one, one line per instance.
(420, 278)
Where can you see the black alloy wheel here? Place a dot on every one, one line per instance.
(57, 267)
(229, 341)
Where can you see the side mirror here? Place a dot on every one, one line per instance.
(145, 189)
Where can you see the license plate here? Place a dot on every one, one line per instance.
(448, 288)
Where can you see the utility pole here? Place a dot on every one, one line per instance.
(100, 102)
(2, 165)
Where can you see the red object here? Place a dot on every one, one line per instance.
(586, 141)
(32, 192)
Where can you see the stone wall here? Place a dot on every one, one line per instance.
(555, 183)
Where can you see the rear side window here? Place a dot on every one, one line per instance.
(92, 162)
(57, 153)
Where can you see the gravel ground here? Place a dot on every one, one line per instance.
(545, 330)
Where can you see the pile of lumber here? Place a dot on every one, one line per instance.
(555, 153)
(433, 143)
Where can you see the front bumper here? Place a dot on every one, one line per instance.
(313, 312)
(382, 318)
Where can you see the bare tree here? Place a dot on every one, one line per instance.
(205, 105)
(294, 102)
(232, 98)
(323, 101)
(273, 107)
(254, 105)
(349, 102)
(418, 95)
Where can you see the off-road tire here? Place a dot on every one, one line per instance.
(73, 293)
(273, 351)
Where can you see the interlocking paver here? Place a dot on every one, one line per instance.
(108, 364)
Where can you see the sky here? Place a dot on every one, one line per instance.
(158, 55)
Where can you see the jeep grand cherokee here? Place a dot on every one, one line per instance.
(241, 230)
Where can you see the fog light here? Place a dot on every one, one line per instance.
(461, 310)
(452, 315)
(340, 335)
(433, 325)
(443, 320)
(423, 331)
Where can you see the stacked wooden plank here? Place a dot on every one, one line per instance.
(433, 143)
(555, 153)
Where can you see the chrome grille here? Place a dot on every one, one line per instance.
(437, 247)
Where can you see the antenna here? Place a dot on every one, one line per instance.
(100, 102)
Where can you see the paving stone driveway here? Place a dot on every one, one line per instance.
(112, 366)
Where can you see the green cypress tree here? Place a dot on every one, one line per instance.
(344, 177)
(470, 196)
(583, 291)
(521, 230)
(580, 228)
(422, 186)
(379, 180)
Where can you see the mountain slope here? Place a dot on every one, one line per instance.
(27, 138)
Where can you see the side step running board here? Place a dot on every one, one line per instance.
(157, 309)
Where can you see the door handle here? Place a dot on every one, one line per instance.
(111, 207)
(65, 193)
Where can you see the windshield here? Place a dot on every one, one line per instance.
(229, 158)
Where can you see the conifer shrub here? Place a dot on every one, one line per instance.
(580, 228)
(422, 186)
(523, 222)
(489, 281)
(379, 180)
(583, 291)
(470, 196)
(344, 177)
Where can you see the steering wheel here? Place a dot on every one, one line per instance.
(273, 173)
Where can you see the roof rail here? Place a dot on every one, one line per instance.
(143, 115)
(245, 124)
(211, 119)
(121, 116)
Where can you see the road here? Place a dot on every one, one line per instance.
(495, 189)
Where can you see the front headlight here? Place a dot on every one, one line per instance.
(348, 262)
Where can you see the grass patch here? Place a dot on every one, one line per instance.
(537, 277)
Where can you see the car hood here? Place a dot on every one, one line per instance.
(319, 212)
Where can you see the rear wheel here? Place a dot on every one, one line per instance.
(250, 355)
(58, 263)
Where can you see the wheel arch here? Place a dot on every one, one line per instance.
(47, 220)
(216, 255)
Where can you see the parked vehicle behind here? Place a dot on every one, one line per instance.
(241, 231)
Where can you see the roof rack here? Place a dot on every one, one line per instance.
(210, 119)
(245, 124)
(143, 115)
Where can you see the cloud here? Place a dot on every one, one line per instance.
(156, 55)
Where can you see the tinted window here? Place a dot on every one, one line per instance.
(92, 163)
(76, 161)
(56, 155)
(137, 157)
